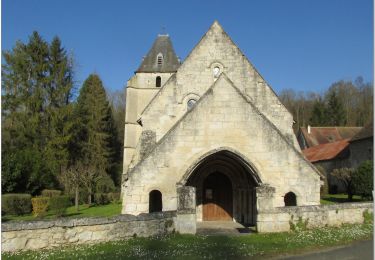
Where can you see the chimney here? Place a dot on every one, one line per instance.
(308, 129)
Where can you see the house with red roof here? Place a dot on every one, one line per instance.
(331, 148)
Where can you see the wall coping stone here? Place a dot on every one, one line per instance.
(74, 222)
(309, 208)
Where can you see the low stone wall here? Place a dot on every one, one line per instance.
(46, 234)
(285, 218)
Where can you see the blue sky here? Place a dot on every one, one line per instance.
(301, 44)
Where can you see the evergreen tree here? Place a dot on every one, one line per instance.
(97, 133)
(336, 112)
(319, 114)
(59, 113)
(36, 89)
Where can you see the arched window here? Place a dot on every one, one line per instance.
(160, 59)
(155, 201)
(191, 103)
(158, 82)
(290, 199)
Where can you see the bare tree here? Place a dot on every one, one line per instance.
(71, 179)
(90, 176)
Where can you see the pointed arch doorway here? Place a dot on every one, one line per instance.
(217, 197)
(225, 187)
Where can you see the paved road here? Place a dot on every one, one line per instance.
(360, 250)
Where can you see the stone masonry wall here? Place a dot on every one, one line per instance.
(221, 120)
(47, 234)
(282, 219)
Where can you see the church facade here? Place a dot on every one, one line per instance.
(212, 123)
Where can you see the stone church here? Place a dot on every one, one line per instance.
(213, 125)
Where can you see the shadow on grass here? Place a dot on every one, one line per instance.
(72, 214)
(189, 247)
(342, 200)
(4, 219)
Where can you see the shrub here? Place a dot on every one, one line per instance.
(363, 180)
(105, 185)
(368, 217)
(16, 204)
(59, 204)
(51, 193)
(101, 198)
(40, 206)
(114, 196)
(345, 175)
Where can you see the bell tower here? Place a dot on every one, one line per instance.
(157, 67)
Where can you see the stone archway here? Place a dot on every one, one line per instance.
(228, 169)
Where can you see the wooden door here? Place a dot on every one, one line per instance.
(217, 198)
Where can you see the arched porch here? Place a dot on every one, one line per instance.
(225, 188)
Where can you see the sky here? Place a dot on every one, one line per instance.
(304, 45)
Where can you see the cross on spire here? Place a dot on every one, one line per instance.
(163, 31)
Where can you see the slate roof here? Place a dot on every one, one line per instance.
(327, 151)
(164, 46)
(323, 135)
(366, 132)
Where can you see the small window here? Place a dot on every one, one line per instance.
(155, 201)
(160, 59)
(290, 199)
(216, 72)
(158, 82)
(191, 103)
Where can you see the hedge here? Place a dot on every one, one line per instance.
(51, 193)
(40, 206)
(59, 204)
(16, 204)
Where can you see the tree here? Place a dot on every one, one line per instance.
(97, 132)
(117, 102)
(345, 175)
(319, 114)
(345, 103)
(336, 113)
(37, 84)
(71, 178)
(363, 179)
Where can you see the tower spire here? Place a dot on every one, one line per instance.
(161, 57)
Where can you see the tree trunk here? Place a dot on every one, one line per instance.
(76, 199)
(350, 194)
(89, 198)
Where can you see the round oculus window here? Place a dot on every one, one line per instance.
(191, 103)
(216, 72)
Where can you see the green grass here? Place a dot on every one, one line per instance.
(109, 210)
(339, 198)
(212, 247)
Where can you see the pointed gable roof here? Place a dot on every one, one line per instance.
(163, 46)
(208, 97)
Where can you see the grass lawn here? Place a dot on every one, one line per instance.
(84, 211)
(339, 198)
(208, 247)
